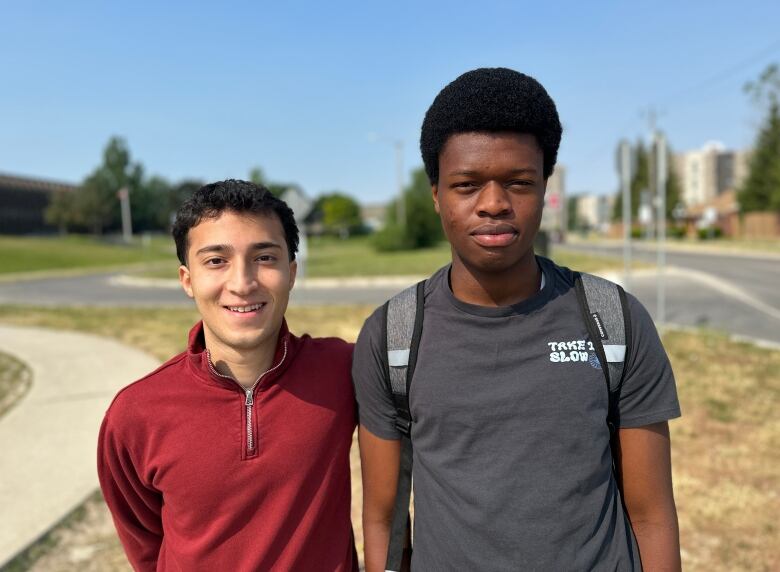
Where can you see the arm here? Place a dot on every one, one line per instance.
(645, 480)
(380, 460)
(135, 508)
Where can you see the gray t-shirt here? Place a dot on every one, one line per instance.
(512, 463)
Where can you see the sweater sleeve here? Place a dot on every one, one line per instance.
(135, 506)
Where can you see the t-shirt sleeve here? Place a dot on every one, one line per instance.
(376, 411)
(649, 394)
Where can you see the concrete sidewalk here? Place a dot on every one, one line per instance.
(48, 440)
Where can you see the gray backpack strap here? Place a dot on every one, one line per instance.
(605, 312)
(403, 328)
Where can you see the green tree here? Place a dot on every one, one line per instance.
(423, 227)
(340, 214)
(640, 181)
(95, 204)
(180, 192)
(572, 223)
(257, 176)
(761, 189)
(151, 205)
(61, 211)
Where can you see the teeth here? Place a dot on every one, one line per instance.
(242, 309)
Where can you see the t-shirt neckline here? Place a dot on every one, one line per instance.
(524, 307)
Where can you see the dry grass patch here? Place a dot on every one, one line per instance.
(726, 452)
(726, 448)
(15, 381)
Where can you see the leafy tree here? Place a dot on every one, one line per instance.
(571, 213)
(257, 176)
(61, 211)
(180, 192)
(96, 204)
(640, 181)
(151, 205)
(761, 189)
(423, 227)
(340, 214)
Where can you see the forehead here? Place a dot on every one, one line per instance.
(236, 229)
(479, 146)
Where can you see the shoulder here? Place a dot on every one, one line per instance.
(332, 346)
(133, 400)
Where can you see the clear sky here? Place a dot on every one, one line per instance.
(209, 90)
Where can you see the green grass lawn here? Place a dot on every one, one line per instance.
(56, 253)
(328, 257)
(331, 257)
(726, 447)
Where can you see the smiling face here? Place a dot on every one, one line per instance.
(239, 274)
(490, 196)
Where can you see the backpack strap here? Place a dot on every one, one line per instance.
(403, 317)
(605, 311)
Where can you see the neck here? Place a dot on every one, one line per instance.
(242, 365)
(502, 288)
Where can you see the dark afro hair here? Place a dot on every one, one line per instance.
(210, 201)
(490, 100)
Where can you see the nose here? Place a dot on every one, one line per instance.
(243, 279)
(493, 201)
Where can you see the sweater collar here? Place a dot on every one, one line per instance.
(286, 347)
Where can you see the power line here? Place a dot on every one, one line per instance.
(725, 73)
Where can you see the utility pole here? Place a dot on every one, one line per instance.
(127, 223)
(624, 168)
(659, 145)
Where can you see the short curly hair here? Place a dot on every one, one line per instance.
(491, 100)
(211, 200)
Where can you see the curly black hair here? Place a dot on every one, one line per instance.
(211, 200)
(490, 100)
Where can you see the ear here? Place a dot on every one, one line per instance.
(435, 194)
(185, 280)
(293, 272)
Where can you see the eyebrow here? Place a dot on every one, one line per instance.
(228, 248)
(467, 173)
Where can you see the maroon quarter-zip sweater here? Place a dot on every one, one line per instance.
(201, 475)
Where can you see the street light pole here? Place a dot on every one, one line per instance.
(624, 167)
(661, 178)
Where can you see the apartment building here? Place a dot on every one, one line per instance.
(709, 172)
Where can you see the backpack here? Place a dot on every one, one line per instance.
(604, 309)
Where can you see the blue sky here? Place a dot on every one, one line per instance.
(208, 91)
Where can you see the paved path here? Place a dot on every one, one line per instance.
(48, 439)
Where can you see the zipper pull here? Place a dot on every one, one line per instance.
(249, 397)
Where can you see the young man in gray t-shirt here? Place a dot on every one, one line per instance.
(512, 458)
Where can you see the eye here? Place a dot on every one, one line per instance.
(216, 261)
(266, 258)
(521, 183)
(466, 185)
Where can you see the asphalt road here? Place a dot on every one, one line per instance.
(103, 290)
(739, 294)
(736, 293)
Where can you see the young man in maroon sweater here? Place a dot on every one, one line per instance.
(234, 455)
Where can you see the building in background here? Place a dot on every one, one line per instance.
(23, 202)
(554, 214)
(593, 212)
(709, 172)
(374, 216)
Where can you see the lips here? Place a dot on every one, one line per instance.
(245, 308)
(495, 234)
